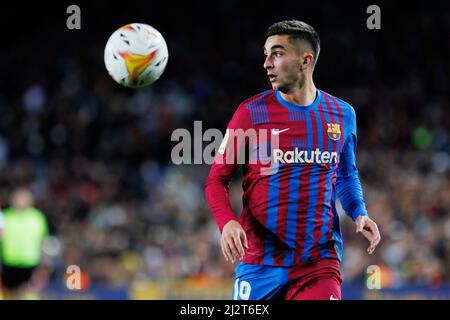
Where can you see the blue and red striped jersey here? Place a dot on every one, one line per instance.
(295, 160)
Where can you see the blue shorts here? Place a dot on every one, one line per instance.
(318, 280)
(259, 282)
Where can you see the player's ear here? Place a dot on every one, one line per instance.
(307, 60)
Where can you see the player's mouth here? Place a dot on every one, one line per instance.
(272, 77)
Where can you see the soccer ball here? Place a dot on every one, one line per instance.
(136, 55)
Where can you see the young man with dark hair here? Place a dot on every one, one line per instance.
(287, 239)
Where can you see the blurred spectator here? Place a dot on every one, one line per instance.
(25, 229)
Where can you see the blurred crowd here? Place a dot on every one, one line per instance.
(97, 156)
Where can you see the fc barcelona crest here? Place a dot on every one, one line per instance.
(334, 131)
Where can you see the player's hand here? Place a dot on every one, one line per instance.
(369, 229)
(233, 241)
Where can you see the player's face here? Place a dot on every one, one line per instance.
(282, 63)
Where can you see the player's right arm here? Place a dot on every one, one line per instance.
(226, 162)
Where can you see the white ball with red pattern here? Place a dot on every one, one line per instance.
(136, 55)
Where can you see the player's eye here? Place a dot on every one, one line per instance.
(277, 53)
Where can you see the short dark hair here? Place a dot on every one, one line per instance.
(297, 30)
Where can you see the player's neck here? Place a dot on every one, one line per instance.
(301, 96)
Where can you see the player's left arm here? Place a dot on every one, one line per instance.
(349, 189)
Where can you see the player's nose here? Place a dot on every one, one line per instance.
(268, 63)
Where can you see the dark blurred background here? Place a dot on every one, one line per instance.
(97, 155)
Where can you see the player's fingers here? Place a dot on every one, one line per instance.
(372, 247)
(375, 241)
(371, 239)
(238, 245)
(375, 233)
(222, 247)
(244, 239)
(369, 235)
(373, 244)
(226, 250)
(234, 251)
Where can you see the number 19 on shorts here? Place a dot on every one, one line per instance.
(241, 290)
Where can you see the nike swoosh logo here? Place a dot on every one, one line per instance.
(333, 298)
(277, 131)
